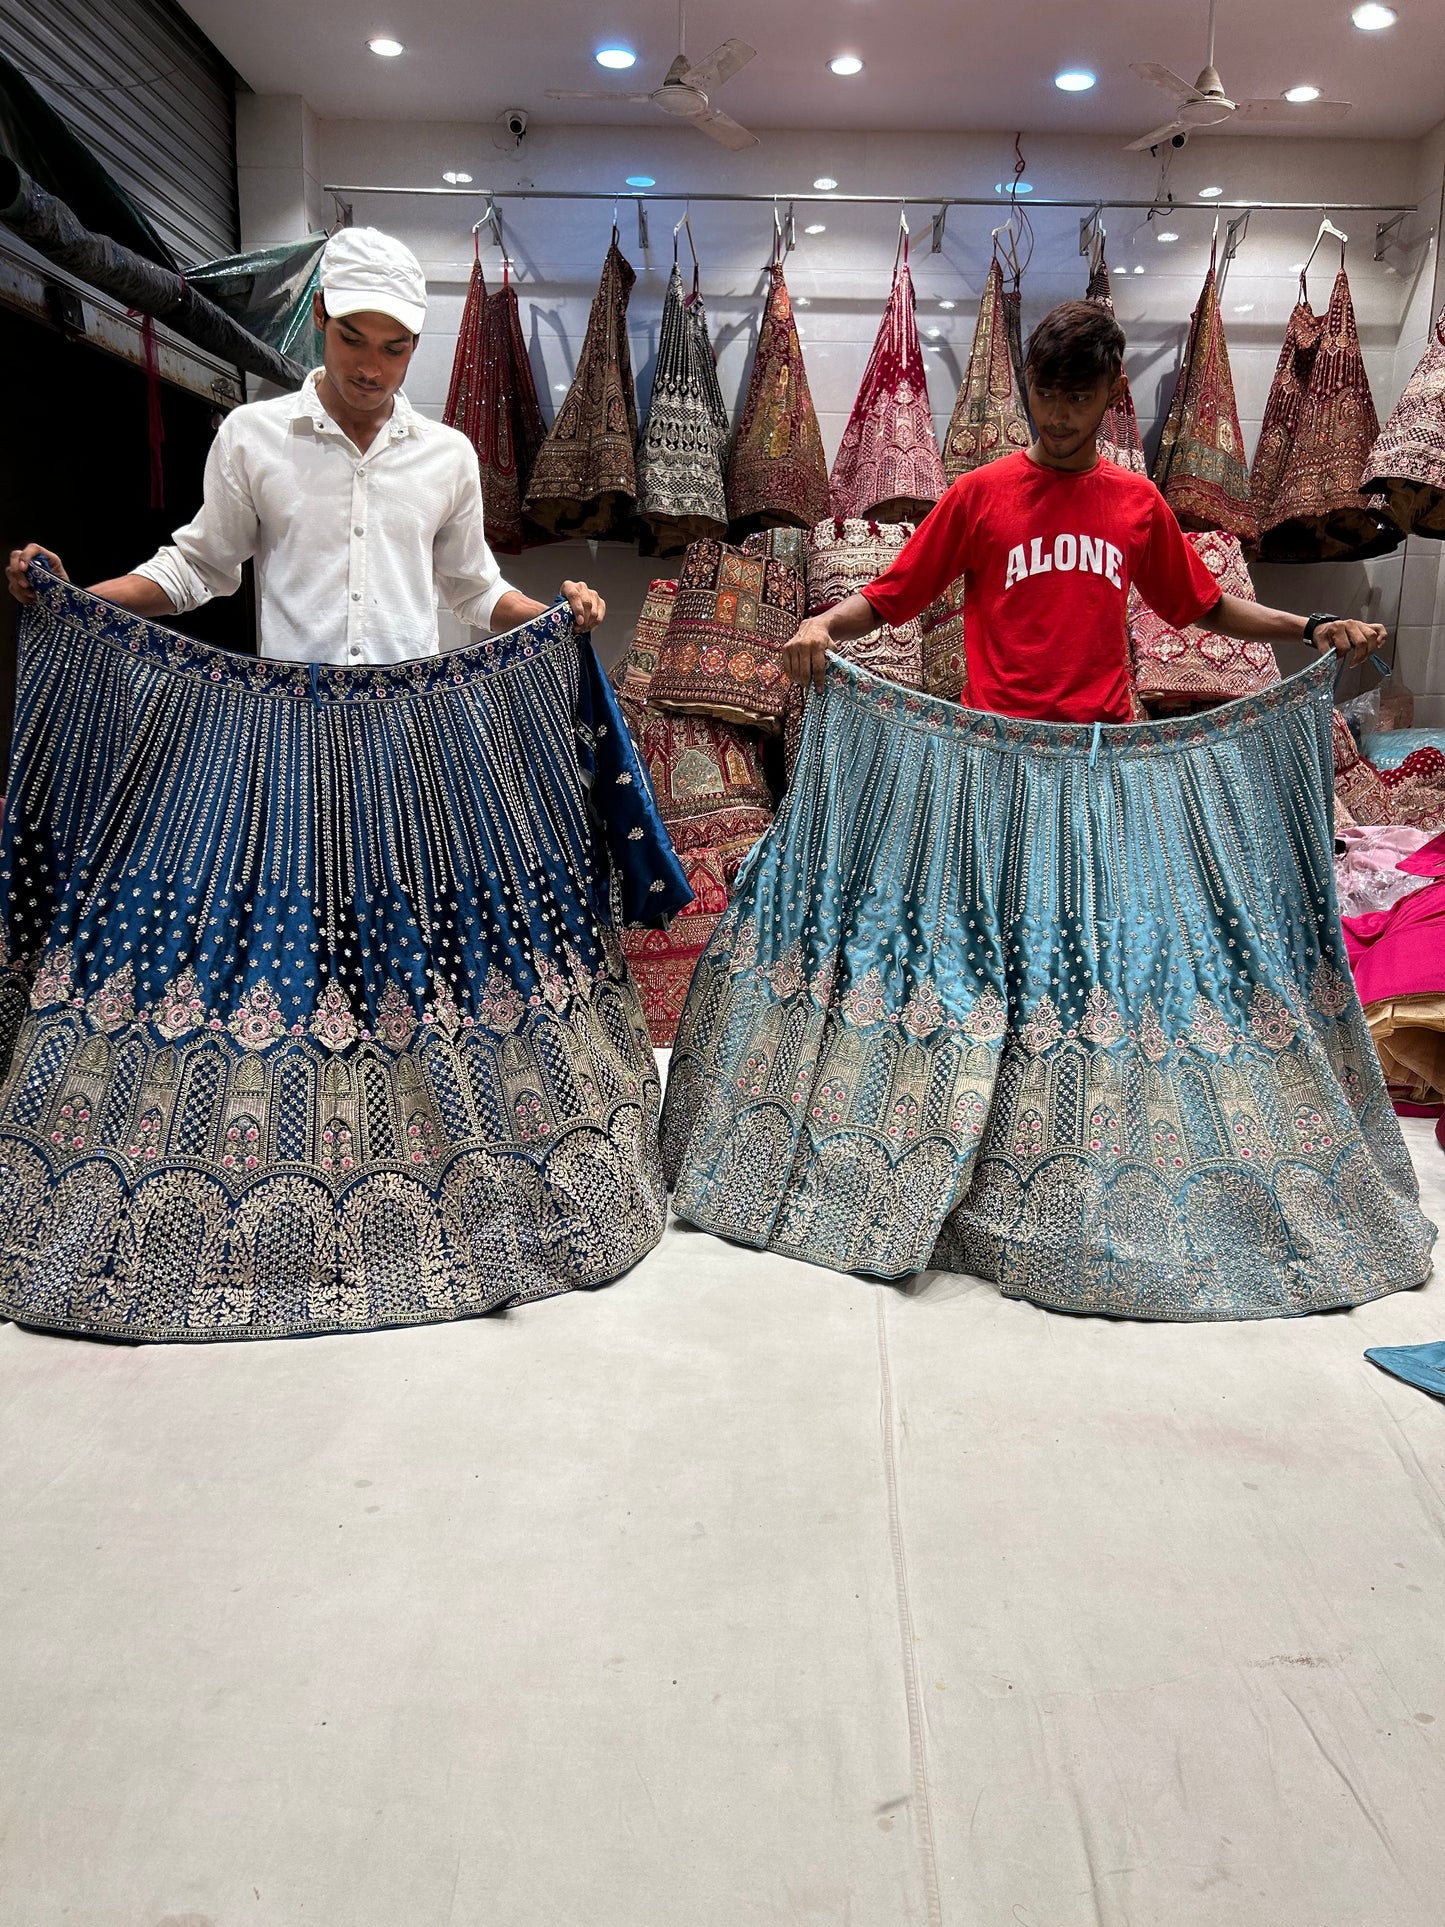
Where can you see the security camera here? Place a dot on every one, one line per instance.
(515, 122)
(1181, 139)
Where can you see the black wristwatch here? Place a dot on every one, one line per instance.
(1313, 622)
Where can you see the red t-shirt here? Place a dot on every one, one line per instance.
(1047, 558)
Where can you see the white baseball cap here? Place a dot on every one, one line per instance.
(364, 271)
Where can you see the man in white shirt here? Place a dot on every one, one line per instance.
(359, 512)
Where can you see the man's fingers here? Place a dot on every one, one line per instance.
(820, 664)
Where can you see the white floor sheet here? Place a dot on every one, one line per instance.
(738, 1594)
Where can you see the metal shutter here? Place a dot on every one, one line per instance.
(151, 97)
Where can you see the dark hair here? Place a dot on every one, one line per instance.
(1078, 343)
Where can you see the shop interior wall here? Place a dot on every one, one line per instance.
(840, 279)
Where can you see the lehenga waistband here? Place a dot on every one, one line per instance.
(112, 627)
(982, 729)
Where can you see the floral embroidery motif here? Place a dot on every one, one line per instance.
(786, 975)
(332, 1023)
(114, 1003)
(923, 1013)
(395, 1018)
(1328, 990)
(862, 1003)
(1043, 1030)
(1269, 1020)
(1209, 1029)
(53, 981)
(988, 1020)
(180, 1007)
(1102, 1022)
(1152, 1038)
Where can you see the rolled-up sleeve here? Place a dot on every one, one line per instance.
(205, 558)
(467, 576)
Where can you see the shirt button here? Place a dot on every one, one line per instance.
(356, 595)
(358, 530)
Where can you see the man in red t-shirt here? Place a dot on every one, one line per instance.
(1048, 542)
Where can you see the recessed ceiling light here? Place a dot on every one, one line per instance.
(846, 64)
(1245, 307)
(1297, 267)
(802, 301)
(559, 387)
(616, 57)
(1139, 267)
(933, 333)
(1299, 95)
(1210, 193)
(1013, 187)
(642, 180)
(816, 227)
(1074, 80)
(1371, 18)
(948, 304)
(388, 49)
(1167, 234)
(825, 184)
(454, 179)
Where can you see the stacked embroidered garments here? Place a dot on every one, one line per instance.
(988, 417)
(1412, 794)
(1319, 426)
(680, 494)
(945, 667)
(493, 401)
(723, 652)
(714, 800)
(788, 545)
(1012, 299)
(1180, 668)
(641, 659)
(777, 472)
(1406, 466)
(1200, 466)
(888, 466)
(584, 481)
(367, 1053)
(843, 556)
(1066, 1009)
(1119, 437)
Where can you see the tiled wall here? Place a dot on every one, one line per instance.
(840, 279)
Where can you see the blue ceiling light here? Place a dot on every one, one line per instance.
(641, 180)
(1013, 187)
(1074, 80)
(618, 58)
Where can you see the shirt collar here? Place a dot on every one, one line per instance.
(306, 405)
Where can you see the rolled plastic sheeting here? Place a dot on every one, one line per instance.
(50, 227)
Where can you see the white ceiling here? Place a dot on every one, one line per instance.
(934, 64)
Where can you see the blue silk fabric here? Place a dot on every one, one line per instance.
(312, 1006)
(1067, 1009)
(1422, 1365)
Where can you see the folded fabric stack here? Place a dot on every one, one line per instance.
(722, 655)
(714, 798)
(1186, 668)
(1392, 900)
(1411, 795)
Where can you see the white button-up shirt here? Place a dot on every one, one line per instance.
(352, 550)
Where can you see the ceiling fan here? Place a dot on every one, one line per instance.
(1205, 106)
(686, 88)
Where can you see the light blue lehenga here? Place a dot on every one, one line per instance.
(1065, 1008)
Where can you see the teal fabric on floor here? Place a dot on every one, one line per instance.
(1066, 1009)
(1422, 1365)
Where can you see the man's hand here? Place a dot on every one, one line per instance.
(805, 656)
(18, 581)
(1351, 641)
(586, 605)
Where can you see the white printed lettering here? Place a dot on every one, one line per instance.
(1066, 551)
(1091, 554)
(1038, 565)
(1018, 567)
(1116, 558)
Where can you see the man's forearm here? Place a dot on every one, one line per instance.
(851, 618)
(509, 611)
(137, 593)
(1252, 621)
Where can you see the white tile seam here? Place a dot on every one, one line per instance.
(917, 1748)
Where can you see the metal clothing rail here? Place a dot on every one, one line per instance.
(1025, 202)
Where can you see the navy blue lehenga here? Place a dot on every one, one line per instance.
(1068, 1009)
(311, 1003)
